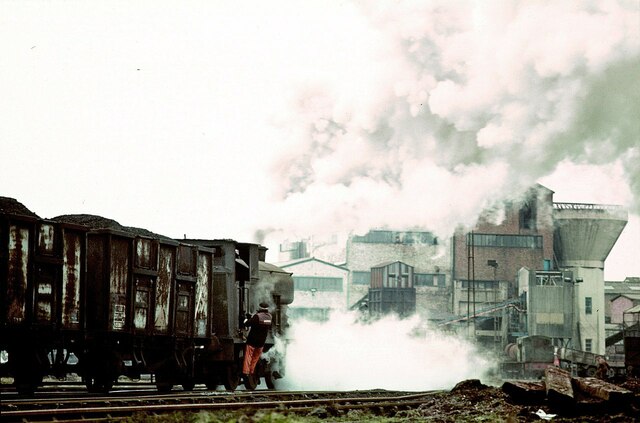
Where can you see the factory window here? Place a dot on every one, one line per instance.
(429, 279)
(587, 305)
(397, 281)
(361, 278)
(505, 241)
(317, 283)
(392, 237)
(588, 344)
(480, 284)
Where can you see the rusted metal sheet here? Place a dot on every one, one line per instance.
(184, 309)
(142, 303)
(97, 304)
(146, 253)
(220, 317)
(163, 288)
(118, 283)
(225, 302)
(46, 239)
(71, 279)
(18, 259)
(187, 260)
(45, 299)
(203, 283)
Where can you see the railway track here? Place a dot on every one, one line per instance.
(114, 407)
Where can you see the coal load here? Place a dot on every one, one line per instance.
(98, 222)
(12, 206)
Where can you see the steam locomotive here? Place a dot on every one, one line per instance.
(83, 294)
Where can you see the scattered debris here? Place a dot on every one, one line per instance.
(525, 392)
(602, 390)
(580, 398)
(558, 386)
(544, 416)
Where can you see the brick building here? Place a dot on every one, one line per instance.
(492, 252)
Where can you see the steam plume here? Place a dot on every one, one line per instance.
(388, 354)
(460, 101)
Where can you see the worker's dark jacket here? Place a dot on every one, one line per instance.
(259, 325)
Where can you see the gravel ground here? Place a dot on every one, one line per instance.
(469, 401)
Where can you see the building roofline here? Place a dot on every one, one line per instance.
(627, 295)
(308, 259)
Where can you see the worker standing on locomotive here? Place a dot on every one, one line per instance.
(259, 325)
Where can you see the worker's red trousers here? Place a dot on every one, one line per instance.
(251, 357)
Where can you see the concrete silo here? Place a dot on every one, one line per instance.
(583, 237)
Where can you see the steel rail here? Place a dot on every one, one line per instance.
(128, 396)
(93, 412)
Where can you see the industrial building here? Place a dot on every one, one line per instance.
(620, 299)
(359, 255)
(320, 286)
(534, 267)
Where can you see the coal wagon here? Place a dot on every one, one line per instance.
(125, 301)
(42, 287)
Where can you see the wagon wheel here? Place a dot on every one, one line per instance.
(29, 371)
(164, 383)
(91, 384)
(264, 368)
(100, 369)
(106, 383)
(212, 383)
(98, 383)
(188, 385)
(230, 377)
(269, 380)
(27, 382)
(251, 382)
(164, 387)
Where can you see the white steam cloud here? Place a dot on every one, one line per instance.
(459, 105)
(393, 354)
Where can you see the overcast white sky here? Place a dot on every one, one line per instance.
(214, 119)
